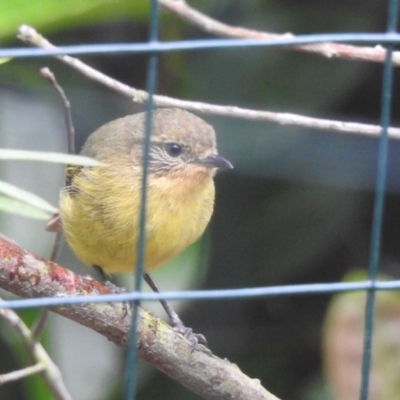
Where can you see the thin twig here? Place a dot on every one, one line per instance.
(21, 373)
(46, 73)
(51, 374)
(44, 315)
(70, 130)
(58, 240)
(40, 324)
(328, 49)
(29, 35)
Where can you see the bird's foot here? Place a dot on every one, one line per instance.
(195, 339)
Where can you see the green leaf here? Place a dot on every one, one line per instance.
(23, 209)
(4, 60)
(26, 197)
(8, 154)
(56, 15)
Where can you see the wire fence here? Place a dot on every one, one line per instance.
(154, 47)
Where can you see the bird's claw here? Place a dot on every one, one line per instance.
(194, 338)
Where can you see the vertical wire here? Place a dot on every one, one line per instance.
(131, 369)
(379, 202)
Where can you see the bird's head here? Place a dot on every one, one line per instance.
(181, 144)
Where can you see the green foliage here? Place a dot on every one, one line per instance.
(33, 386)
(20, 208)
(56, 15)
(26, 197)
(27, 204)
(7, 154)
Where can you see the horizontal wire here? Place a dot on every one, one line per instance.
(302, 289)
(183, 45)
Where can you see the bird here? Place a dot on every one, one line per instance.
(99, 206)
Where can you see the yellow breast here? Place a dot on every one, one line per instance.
(101, 221)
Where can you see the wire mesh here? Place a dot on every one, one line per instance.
(155, 47)
(151, 89)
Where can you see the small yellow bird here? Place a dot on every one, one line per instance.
(100, 206)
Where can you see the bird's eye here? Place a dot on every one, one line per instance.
(174, 149)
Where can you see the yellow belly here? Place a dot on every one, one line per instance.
(102, 226)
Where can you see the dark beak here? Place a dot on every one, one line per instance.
(213, 161)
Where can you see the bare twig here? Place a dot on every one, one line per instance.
(29, 35)
(58, 240)
(40, 324)
(329, 50)
(50, 373)
(28, 275)
(21, 373)
(46, 73)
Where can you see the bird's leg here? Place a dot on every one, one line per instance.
(113, 288)
(104, 277)
(173, 316)
(177, 323)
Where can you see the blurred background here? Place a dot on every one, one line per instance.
(296, 209)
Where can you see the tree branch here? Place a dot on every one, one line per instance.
(31, 36)
(28, 275)
(330, 50)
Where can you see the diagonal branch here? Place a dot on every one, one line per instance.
(44, 364)
(21, 373)
(330, 50)
(28, 275)
(31, 36)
